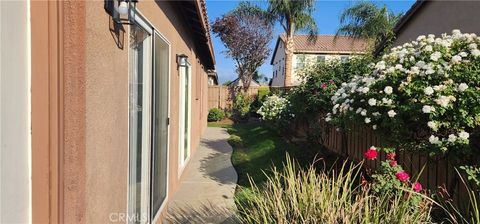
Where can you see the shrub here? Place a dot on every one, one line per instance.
(274, 108)
(305, 196)
(235, 141)
(422, 95)
(241, 105)
(262, 95)
(215, 114)
(313, 95)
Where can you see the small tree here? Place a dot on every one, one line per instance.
(245, 32)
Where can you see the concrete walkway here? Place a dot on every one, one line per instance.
(207, 189)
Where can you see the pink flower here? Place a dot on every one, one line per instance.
(323, 85)
(393, 163)
(402, 176)
(332, 82)
(371, 153)
(417, 187)
(391, 155)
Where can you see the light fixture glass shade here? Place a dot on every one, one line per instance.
(123, 8)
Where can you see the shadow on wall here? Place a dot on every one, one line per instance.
(204, 213)
(118, 33)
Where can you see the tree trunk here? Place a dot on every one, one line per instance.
(289, 48)
(246, 81)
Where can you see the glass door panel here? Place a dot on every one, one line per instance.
(160, 128)
(139, 124)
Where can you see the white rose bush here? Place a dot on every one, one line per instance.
(273, 108)
(422, 95)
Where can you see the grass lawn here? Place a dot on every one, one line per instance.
(260, 150)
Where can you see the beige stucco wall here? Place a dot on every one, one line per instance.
(106, 95)
(106, 118)
(437, 17)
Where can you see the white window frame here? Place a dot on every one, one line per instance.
(183, 71)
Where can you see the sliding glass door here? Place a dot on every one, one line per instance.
(148, 122)
(139, 123)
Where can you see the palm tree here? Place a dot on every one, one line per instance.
(293, 16)
(368, 21)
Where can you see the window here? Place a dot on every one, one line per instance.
(320, 58)
(185, 105)
(344, 58)
(300, 61)
(148, 122)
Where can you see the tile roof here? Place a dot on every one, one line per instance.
(327, 43)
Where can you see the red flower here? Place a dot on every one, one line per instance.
(371, 153)
(402, 176)
(417, 187)
(393, 163)
(391, 156)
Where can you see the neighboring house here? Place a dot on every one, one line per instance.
(306, 53)
(99, 119)
(238, 82)
(437, 17)
(212, 78)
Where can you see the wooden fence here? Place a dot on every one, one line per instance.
(222, 96)
(353, 143)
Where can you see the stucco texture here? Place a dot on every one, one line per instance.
(106, 104)
(106, 117)
(437, 17)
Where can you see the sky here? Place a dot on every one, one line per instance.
(327, 13)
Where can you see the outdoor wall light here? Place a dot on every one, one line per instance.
(122, 11)
(182, 60)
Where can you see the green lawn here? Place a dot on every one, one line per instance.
(261, 149)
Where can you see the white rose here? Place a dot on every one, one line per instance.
(428, 91)
(435, 56)
(328, 119)
(433, 139)
(372, 102)
(476, 53)
(452, 138)
(463, 135)
(374, 127)
(367, 120)
(387, 101)
(365, 90)
(462, 87)
(429, 48)
(391, 113)
(443, 101)
(428, 109)
(388, 90)
(456, 59)
(359, 110)
(432, 125)
(364, 112)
